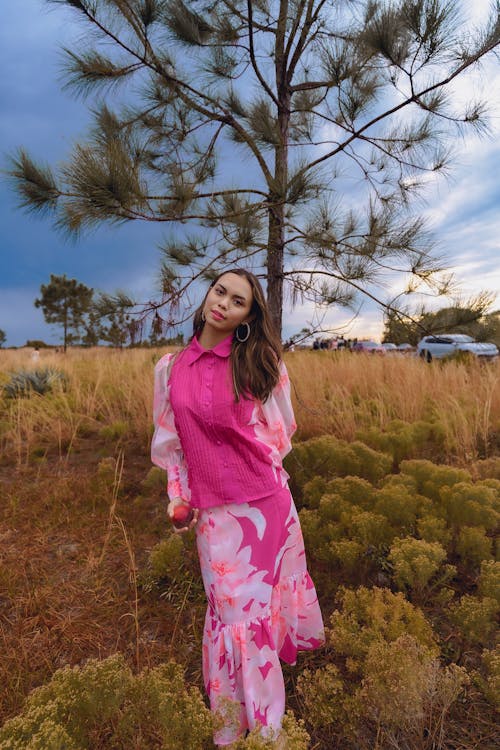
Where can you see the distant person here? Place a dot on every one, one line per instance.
(35, 354)
(316, 344)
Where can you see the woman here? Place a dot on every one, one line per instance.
(223, 423)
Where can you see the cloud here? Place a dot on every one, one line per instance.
(20, 319)
(36, 113)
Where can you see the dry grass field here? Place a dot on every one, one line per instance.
(80, 509)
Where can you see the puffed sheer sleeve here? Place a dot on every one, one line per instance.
(278, 413)
(166, 450)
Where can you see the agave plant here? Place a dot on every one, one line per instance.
(26, 382)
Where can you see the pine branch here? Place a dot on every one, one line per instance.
(259, 75)
(411, 100)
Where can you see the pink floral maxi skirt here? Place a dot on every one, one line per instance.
(262, 606)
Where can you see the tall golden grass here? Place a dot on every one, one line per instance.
(77, 529)
(335, 393)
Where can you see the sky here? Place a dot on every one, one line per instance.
(463, 211)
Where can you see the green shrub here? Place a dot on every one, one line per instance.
(370, 529)
(323, 692)
(415, 561)
(490, 684)
(348, 538)
(155, 479)
(115, 431)
(329, 457)
(430, 478)
(489, 580)
(406, 693)
(399, 506)
(26, 382)
(103, 704)
(475, 618)
(370, 615)
(403, 440)
(433, 529)
(313, 492)
(352, 490)
(296, 735)
(404, 481)
(471, 504)
(473, 545)
(402, 700)
(346, 554)
(166, 560)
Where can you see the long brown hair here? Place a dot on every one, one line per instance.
(255, 362)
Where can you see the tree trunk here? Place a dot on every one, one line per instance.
(275, 267)
(65, 323)
(276, 241)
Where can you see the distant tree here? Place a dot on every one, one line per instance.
(155, 340)
(494, 321)
(3, 337)
(91, 327)
(116, 326)
(289, 96)
(471, 318)
(37, 344)
(65, 302)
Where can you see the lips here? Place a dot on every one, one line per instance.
(217, 315)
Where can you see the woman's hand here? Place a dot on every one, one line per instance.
(181, 514)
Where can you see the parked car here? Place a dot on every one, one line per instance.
(405, 348)
(390, 348)
(368, 346)
(444, 345)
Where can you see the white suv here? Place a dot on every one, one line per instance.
(446, 344)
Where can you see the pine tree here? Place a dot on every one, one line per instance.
(65, 302)
(238, 117)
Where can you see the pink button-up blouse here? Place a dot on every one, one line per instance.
(217, 451)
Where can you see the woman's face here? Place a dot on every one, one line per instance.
(228, 303)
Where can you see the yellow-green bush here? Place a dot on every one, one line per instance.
(294, 730)
(329, 457)
(471, 504)
(115, 431)
(369, 615)
(473, 545)
(415, 561)
(402, 700)
(156, 478)
(490, 683)
(430, 477)
(475, 618)
(353, 490)
(324, 695)
(433, 529)
(489, 580)
(104, 705)
(168, 564)
(399, 505)
(406, 693)
(406, 439)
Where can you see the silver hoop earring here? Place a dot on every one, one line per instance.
(238, 338)
(203, 316)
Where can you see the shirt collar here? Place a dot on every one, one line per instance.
(195, 350)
